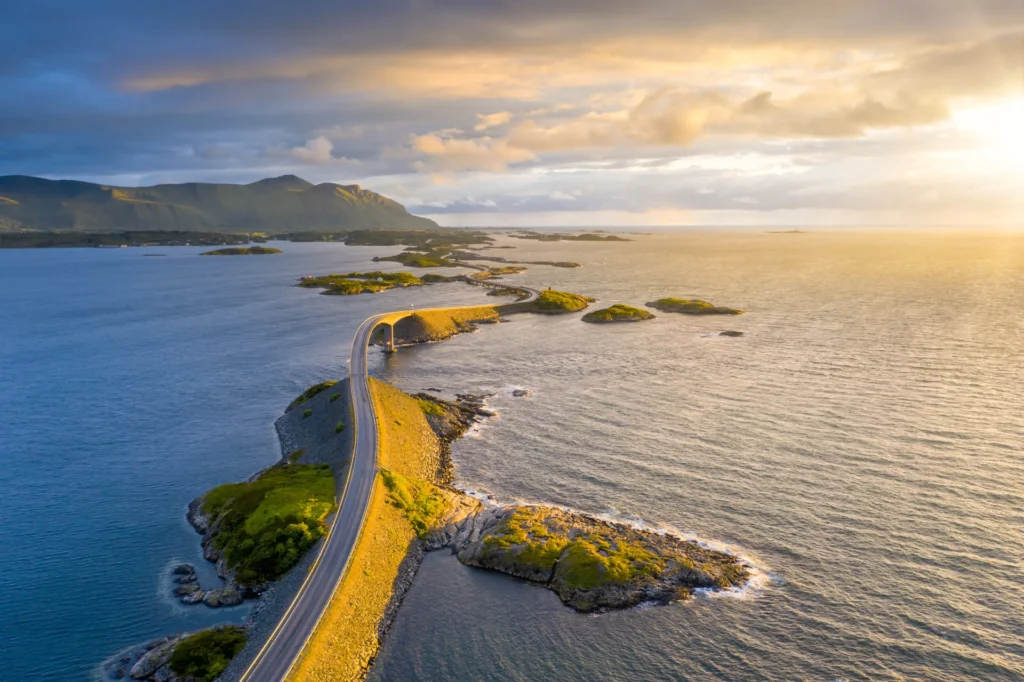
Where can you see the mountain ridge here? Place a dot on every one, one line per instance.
(284, 203)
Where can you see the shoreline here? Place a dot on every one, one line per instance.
(466, 520)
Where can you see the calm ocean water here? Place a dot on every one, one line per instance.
(862, 445)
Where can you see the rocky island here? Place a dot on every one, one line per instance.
(551, 302)
(592, 564)
(353, 283)
(561, 236)
(691, 307)
(618, 313)
(242, 251)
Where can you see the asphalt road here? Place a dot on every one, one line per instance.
(282, 648)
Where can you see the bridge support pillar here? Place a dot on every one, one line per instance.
(391, 339)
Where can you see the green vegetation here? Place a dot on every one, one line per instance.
(334, 397)
(421, 502)
(293, 456)
(265, 525)
(430, 407)
(551, 301)
(413, 259)
(435, 325)
(582, 561)
(205, 655)
(306, 413)
(339, 427)
(691, 307)
(559, 237)
(62, 239)
(364, 282)
(421, 239)
(618, 313)
(526, 528)
(593, 562)
(313, 390)
(242, 251)
(283, 204)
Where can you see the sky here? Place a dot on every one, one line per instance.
(539, 113)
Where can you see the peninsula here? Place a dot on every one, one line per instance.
(285, 203)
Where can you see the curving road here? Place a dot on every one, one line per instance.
(282, 648)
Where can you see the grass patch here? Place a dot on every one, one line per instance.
(205, 655)
(334, 397)
(539, 547)
(428, 325)
(551, 302)
(339, 427)
(593, 562)
(293, 456)
(310, 392)
(413, 259)
(306, 413)
(348, 636)
(267, 524)
(361, 282)
(420, 501)
(430, 407)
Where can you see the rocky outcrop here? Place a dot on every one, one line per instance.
(187, 587)
(592, 564)
(449, 422)
(153, 661)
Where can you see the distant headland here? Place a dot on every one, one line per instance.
(281, 204)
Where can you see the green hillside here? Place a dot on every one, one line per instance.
(276, 205)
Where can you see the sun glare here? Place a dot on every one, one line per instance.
(998, 126)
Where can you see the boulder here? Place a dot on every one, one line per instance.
(153, 659)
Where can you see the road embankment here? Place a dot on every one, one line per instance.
(389, 549)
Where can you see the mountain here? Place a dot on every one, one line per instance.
(283, 204)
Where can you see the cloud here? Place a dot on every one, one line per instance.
(318, 150)
(441, 153)
(491, 120)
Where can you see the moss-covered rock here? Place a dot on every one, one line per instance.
(691, 307)
(618, 313)
(593, 564)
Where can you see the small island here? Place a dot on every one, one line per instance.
(550, 302)
(691, 307)
(353, 283)
(590, 563)
(242, 251)
(561, 236)
(618, 313)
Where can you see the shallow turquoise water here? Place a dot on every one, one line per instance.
(862, 444)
